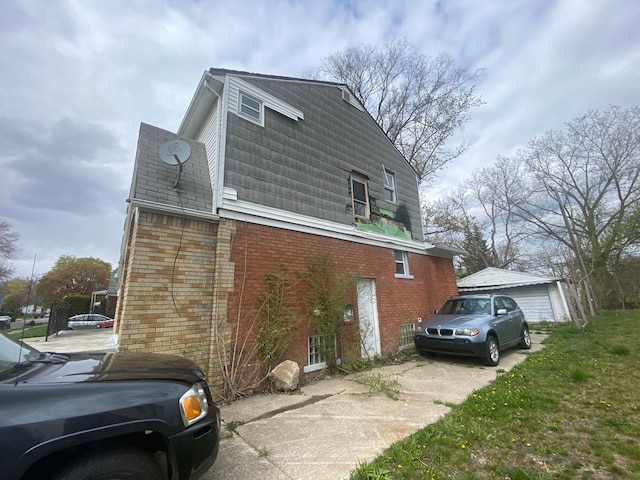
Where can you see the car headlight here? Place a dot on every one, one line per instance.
(419, 329)
(467, 332)
(193, 405)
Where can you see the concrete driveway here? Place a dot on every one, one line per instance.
(329, 427)
(81, 340)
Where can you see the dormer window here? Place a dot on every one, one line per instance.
(360, 196)
(250, 108)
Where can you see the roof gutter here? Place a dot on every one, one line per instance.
(173, 210)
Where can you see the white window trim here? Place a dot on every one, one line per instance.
(363, 180)
(257, 121)
(405, 264)
(393, 189)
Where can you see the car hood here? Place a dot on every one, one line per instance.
(454, 320)
(109, 367)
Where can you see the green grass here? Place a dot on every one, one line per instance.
(29, 332)
(570, 411)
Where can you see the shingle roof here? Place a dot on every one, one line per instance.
(154, 180)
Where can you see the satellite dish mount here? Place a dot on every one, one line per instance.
(175, 152)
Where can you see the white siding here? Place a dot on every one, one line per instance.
(235, 85)
(210, 136)
(534, 301)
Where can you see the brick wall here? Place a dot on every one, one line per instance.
(167, 303)
(258, 249)
(191, 287)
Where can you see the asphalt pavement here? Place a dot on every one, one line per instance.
(324, 430)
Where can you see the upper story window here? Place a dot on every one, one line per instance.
(402, 264)
(389, 181)
(360, 196)
(250, 108)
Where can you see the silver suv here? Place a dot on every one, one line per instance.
(474, 325)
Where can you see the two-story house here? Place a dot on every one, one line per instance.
(279, 171)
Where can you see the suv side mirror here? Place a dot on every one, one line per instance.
(501, 311)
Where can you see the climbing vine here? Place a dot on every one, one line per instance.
(277, 323)
(329, 293)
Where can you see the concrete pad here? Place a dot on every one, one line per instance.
(328, 427)
(75, 341)
(331, 426)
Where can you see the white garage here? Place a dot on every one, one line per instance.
(542, 299)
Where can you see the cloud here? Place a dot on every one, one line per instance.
(79, 77)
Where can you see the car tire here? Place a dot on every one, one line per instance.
(118, 463)
(492, 352)
(525, 343)
(426, 354)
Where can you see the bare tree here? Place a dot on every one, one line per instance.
(478, 214)
(418, 101)
(590, 175)
(8, 248)
(498, 190)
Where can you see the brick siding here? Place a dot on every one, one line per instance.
(257, 250)
(190, 288)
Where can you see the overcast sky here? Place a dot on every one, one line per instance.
(78, 77)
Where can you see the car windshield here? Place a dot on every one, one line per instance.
(466, 306)
(11, 353)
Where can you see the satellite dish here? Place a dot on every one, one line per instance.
(175, 152)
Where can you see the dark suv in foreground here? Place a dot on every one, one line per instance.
(99, 416)
(475, 325)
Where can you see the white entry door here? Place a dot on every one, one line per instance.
(368, 318)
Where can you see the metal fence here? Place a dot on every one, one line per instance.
(58, 318)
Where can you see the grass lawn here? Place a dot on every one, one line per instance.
(570, 411)
(29, 332)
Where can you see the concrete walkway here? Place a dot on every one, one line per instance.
(327, 428)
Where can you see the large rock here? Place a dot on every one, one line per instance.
(286, 376)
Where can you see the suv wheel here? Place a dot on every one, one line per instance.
(113, 464)
(492, 352)
(525, 343)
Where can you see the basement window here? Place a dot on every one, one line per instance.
(406, 335)
(317, 346)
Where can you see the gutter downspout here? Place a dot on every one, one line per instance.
(215, 183)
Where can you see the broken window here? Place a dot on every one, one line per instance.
(360, 196)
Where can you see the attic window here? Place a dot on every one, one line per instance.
(250, 108)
